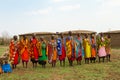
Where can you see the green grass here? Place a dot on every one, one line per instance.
(92, 71)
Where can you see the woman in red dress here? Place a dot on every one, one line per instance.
(14, 52)
(35, 52)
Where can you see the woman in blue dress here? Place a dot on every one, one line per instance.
(6, 67)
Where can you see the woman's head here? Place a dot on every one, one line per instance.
(52, 37)
(70, 33)
(78, 35)
(6, 62)
(108, 36)
(86, 35)
(41, 38)
(33, 36)
(15, 37)
(92, 36)
(61, 35)
(101, 34)
(24, 37)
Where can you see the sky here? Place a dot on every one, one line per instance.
(24, 16)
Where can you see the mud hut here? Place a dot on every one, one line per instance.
(47, 35)
(115, 38)
(81, 32)
(38, 35)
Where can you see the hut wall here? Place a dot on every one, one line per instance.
(115, 39)
(46, 36)
(75, 34)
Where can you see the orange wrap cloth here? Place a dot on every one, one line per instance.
(24, 50)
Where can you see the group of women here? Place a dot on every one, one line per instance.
(58, 48)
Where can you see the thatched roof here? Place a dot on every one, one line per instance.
(37, 33)
(52, 33)
(115, 31)
(79, 31)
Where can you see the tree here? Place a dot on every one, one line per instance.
(5, 39)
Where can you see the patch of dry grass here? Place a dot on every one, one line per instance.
(92, 71)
